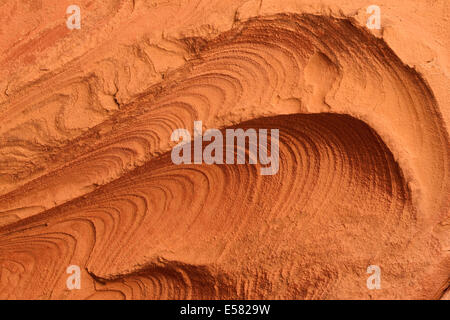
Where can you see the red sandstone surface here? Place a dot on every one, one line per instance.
(86, 176)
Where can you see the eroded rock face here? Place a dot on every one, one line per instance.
(86, 176)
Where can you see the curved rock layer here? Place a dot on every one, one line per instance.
(363, 178)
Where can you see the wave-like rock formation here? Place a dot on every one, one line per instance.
(363, 175)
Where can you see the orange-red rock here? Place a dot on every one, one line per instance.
(85, 171)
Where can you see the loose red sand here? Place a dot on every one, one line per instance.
(86, 176)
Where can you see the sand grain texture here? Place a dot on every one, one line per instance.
(86, 176)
